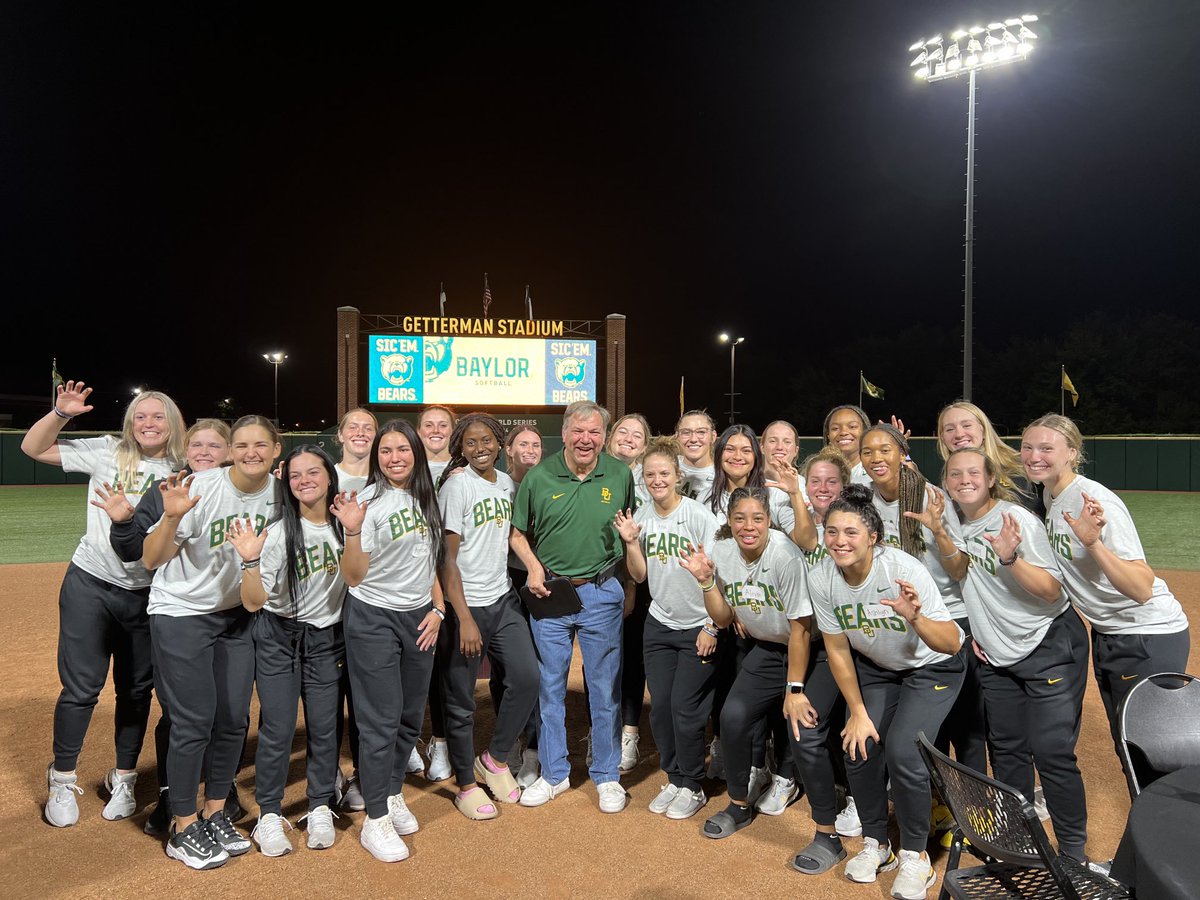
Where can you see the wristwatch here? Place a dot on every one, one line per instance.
(795, 687)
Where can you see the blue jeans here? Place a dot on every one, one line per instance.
(598, 625)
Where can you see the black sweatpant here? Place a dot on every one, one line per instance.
(506, 638)
(681, 694)
(296, 662)
(965, 728)
(633, 667)
(496, 681)
(1121, 660)
(900, 704)
(204, 671)
(391, 681)
(346, 720)
(755, 695)
(818, 769)
(1034, 709)
(732, 651)
(98, 621)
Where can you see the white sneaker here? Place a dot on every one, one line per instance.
(270, 835)
(351, 791)
(381, 841)
(61, 808)
(1039, 804)
(760, 778)
(416, 765)
(439, 761)
(915, 877)
(686, 804)
(530, 769)
(847, 823)
(781, 793)
(716, 762)
(121, 804)
(542, 791)
(319, 826)
(403, 820)
(612, 796)
(871, 860)
(659, 804)
(514, 756)
(629, 751)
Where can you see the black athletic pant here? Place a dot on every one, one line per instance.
(817, 767)
(633, 668)
(1121, 660)
(965, 727)
(346, 720)
(900, 704)
(98, 621)
(506, 638)
(391, 681)
(681, 694)
(732, 652)
(1034, 708)
(296, 662)
(204, 671)
(755, 695)
(496, 682)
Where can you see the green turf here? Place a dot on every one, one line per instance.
(43, 524)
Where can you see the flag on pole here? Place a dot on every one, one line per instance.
(487, 295)
(681, 406)
(55, 380)
(869, 389)
(1070, 388)
(442, 300)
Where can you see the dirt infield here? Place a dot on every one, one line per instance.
(567, 848)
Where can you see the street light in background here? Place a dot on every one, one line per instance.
(733, 343)
(276, 359)
(987, 47)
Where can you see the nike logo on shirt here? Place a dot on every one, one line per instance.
(556, 496)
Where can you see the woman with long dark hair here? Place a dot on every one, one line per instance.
(292, 578)
(394, 549)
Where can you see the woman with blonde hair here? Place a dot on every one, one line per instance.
(1138, 627)
(962, 425)
(102, 603)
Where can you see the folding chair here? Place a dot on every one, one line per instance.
(1004, 831)
(1159, 726)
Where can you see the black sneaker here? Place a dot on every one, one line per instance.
(233, 806)
(221, 830)
(159, 819)
(195, 847)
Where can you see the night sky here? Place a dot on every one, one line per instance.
(186, 189)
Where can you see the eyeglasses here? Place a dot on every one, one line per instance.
(694, 432)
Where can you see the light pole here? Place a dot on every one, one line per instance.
(733, 343)
(276, 359)
(939, 60)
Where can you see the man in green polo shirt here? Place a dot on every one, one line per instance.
(564, 511)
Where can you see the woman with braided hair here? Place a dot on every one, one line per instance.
(918, 519)
(484, 616)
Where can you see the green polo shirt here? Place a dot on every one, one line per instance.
(570, 521)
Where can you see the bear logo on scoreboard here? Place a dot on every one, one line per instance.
(397, 368)
(570, 371)
(437, 356)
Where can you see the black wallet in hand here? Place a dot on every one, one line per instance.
(563, 599)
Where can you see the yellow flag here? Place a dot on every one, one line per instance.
(1070, 388)
(871, 390)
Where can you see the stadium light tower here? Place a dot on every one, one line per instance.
(938, 60)
(733, 343)
(276, 359)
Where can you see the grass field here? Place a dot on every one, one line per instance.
(43, 524)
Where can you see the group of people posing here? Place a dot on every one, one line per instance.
(814, 616)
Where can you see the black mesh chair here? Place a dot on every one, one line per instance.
(1159, 725)
(1004, 831)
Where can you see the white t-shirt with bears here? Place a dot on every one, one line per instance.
(318, 570)
(695, 481)
(949, 587)
(675, 598)
(205, 575)
(1109, 611)
(480, 513)
(98, 458)
(402, 564)
(769, 593)
(872, 629)
(1007, 621)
